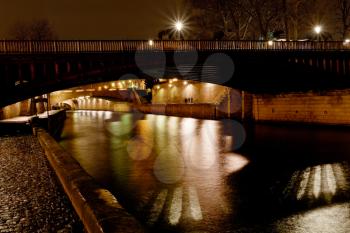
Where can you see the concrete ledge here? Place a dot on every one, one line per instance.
(98, 209)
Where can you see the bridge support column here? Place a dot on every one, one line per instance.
(20, 75)
(1, 114)
(68, 67)
(7, 77)
(32, 71)
(57, 70)
(80, 66)
(45, 73)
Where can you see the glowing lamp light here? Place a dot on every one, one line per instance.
(113, 84)
(318, 29)
(105, 87)
(170, 85)
(270, 42)
(151, 42)
(158, 87)
(179, 26)
(346, 41)
(185, 82)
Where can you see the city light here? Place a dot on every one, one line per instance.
(113, 84)
(270, 42)
(318, 29)
(185, 82)
(179, 26)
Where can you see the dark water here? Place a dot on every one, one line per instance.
(187, 175)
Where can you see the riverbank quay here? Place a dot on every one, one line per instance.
(52, 121)
(97, 208)
(31, 198)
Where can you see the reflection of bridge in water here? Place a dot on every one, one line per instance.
(29, 68)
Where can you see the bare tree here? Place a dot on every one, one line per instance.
(265, 14)
(217, 17)
(343, 8)
(38, 29)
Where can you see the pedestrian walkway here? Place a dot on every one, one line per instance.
(31, 199)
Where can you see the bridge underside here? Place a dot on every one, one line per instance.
(24, 76)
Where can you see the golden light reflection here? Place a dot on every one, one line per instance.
(195, 207)
(321, 181)
(172, 205)
(157, 206)
(234, 162)
(330, 219)
(176, 206)
(141, 146)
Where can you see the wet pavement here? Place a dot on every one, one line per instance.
(31, 199)
(188, 175)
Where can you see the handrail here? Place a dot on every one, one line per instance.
(109, 46)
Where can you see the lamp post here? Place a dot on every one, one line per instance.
(318, 30)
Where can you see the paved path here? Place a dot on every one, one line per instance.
(31, 199)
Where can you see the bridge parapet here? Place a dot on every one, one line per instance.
(107, 46)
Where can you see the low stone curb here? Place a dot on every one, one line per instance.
(98, 209)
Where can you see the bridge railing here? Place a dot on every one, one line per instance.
(95, 46)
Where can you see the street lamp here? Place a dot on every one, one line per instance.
(179, 25)
(318, 30)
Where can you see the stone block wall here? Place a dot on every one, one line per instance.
(331, 108)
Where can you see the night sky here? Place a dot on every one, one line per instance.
(93, 19)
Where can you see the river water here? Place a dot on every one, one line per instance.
(188, 175)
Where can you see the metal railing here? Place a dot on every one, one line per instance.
(104, 46)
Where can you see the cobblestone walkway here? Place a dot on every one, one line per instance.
(31, 200)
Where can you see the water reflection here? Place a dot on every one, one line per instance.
(186, 175)
(324, 181)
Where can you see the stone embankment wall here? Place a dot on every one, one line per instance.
(98, 104)
(328, 108)
(98, 209)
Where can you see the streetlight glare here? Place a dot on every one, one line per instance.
(318, 29)
(179, 25)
